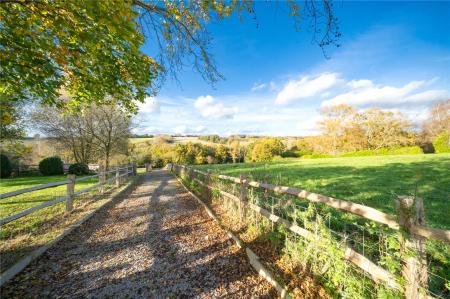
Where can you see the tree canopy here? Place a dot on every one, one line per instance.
(95, 135)
(93, 49)
(346, 129)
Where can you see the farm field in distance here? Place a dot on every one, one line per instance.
(171, 139)
(374, 181)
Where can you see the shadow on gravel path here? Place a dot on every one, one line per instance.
(153, 242)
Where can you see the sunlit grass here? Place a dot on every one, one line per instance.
(14, 204)
(375, 181)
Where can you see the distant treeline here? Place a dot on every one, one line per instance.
(345, 132)
(161, 153)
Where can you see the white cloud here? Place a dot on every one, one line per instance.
(306, 129)
(306, 87)
(203, 101)
(325, 94)
(151, 130)
(428, 96)
(150, 105)
(258, 114)
(365, 92)
(200, 129)
(257, 87)
(355, 84)
(210, 108)
(272, 86)
(182, 129)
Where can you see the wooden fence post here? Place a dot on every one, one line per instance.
(117, 177)
(134, 169)
(146, 167)
(242, 196)
(413, 249)
(70, 192)
(102, 179)
(208, 183)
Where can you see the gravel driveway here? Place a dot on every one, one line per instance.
(153, 242)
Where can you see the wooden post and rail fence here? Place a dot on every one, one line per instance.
(410, 219)
(120, 173)
(118, 176)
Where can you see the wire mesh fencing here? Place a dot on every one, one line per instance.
(351, 255)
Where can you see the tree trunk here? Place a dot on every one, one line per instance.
(107, 161)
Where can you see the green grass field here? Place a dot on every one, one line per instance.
(374, 181)
(15, 204)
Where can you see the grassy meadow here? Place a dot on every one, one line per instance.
(15, 204)
(374, 181)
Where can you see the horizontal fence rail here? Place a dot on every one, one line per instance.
(21, 237)
(87, 177)
(414, 268)
(120, 173)
(354, 208)
(35, 188)
(33, 209)
(378, 274)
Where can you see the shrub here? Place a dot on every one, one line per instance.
(78, 169)
(267, 148)
(291, 154)
(427, 147)
(221, 154)
(5, 166)
(442, 143)
(158, 163)
(51, 166)
(164, 152)
(143, 158)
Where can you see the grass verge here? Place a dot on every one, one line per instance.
(22, 236)
(373, 181)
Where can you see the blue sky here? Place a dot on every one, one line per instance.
(393, 55)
